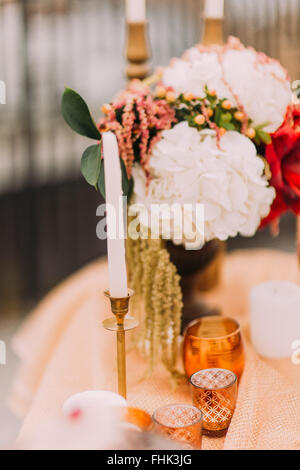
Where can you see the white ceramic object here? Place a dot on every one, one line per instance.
(92, 402)
(275, 318)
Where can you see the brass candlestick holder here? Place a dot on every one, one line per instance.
(213, 32)
(120, 324)
(138, 52)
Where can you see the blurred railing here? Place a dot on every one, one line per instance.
(45, 44)
(47, 213)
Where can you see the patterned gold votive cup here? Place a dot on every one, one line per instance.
(213, 341)
(215, 393)
(181, 423)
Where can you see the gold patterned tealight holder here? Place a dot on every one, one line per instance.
(138, 51)
(214, 392)
(180, 422)
(120, 323)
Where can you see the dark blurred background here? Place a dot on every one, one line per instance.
(48, 213)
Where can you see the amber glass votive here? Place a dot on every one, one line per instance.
(213, 341)
(181, 423)
(215, 393)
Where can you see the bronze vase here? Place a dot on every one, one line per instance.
(200, 270)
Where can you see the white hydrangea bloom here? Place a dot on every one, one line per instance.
(187, 167)
(262, 87)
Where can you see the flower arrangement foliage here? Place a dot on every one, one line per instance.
(188, 165)
(218, 128)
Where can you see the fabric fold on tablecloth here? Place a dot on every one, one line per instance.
(267, 413)
(64, 349)
(40, 334)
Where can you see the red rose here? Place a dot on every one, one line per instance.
(283, 156)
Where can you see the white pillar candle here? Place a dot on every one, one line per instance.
(114, 217)
(135, 11)
(275, 318)
(214, 9)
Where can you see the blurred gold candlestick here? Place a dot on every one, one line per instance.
(213, 16)
(120, 324)
(213, 32)
(138, 52)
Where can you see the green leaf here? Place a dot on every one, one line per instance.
(261, 126)
(127, 184)
(225, 121)
(227, 125)
(90, 164)
(76, 113)
(218, 116)
(264, 136)
(101, 180)
(257, 140)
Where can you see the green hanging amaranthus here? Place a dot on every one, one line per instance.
(158, 294)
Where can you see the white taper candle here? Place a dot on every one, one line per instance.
(135, 11)
(214, 9)
(114, 217)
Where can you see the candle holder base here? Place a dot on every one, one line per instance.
(111, 324)
(120, 324)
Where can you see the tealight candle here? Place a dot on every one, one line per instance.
(214, 9)
(135, 11)
(115, 217)
(275, 318)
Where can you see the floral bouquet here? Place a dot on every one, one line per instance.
(217, 128)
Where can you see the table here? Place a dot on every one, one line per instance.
(64, 349)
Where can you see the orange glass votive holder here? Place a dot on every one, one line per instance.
(181, 423)
(213, 342)
(214, 393)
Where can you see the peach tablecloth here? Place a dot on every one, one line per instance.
(64, 349)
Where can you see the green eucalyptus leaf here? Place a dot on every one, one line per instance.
(76, 113)
(101, 180)
(90, 164)
(127, 184)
